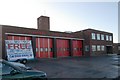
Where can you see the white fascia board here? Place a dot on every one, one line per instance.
(42, 36)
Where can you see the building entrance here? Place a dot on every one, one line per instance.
(109, 49)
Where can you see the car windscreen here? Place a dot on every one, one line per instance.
(6, 69)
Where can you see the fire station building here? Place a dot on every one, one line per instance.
(97, 42)
(53, 44)
(45, 43)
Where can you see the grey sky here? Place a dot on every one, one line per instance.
(64, 15)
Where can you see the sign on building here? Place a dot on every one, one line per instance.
(19, 49)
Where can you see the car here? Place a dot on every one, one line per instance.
(21, 65)
(9, 71)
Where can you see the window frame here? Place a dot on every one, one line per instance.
(110, 38)
(93, 35)
(118, 47)
(102, 37)
(93, 47)
(102, 48)
(98, 36)
(86, 48)
(98, 48)
(107, 38)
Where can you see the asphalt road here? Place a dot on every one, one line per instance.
(79, 67)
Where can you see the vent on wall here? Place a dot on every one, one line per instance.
(68, 31)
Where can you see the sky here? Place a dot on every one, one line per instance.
(65, 15)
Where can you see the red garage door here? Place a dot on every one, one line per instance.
(18, 38)
(44, 48)
(77, 48)
(62, 48)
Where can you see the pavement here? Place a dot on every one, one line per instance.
(106, 66)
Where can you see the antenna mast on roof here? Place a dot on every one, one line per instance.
(44, 13)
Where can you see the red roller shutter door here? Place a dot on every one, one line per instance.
(10, 37)
(59, 48)
(62, 48)
(44, 48)
(65, 48)
(50, 48)
(41, 48)
(16, 37)
(77, 48)
(80, 47)
(22, 38)
(37, 46)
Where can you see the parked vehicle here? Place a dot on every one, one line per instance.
(10, 71)
(21, 65)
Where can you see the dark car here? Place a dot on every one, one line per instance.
(21, 65)
(9, 71)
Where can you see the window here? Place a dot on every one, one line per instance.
(41, 49)
(110, 37)
(63, 49)
(98, 47)
(102, 48)
(93, 35)
(6, 69)
(46, 49)
(75, 49)
(87, 48)
(118, 47)
(93, 47)
(98, 36)
(102, 37)
(50, 49)
(60, 49)
(107, 38)
(36, 49)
